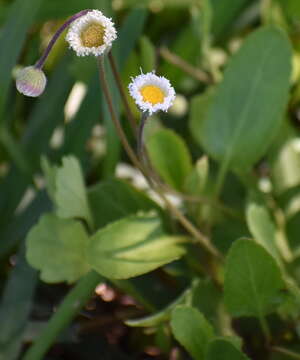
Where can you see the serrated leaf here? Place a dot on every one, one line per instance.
(252, 280)
(192, 330)
(70, 195)
(169, 155)
(221, 349)
(241, 124)
(57, 247)
(133, 246)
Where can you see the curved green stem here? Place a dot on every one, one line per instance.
(68, 309)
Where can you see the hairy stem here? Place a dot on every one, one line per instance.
(39, 64)
(122, 92)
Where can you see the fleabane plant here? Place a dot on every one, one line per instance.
(90, 33)
(151, 92)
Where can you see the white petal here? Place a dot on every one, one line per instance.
(74, 34)
(151, 79)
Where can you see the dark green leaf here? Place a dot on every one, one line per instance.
(221, 349)
(15, 307)
(192, 330)
(169, 155)
(12, 37)
(113, 199)
(252, 280)
(241, 124)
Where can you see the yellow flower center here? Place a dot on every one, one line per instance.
(152, 94)
(92, 35)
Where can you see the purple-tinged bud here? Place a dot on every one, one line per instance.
(31, 81)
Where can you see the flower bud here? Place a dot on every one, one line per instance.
(31, 81)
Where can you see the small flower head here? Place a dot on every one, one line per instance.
(31, 81)
(91, 34)
(151, 92)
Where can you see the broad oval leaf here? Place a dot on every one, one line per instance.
(248, 106)
(221, 349)
(252, 280)
(169, 155)
(133, 246)
(192, 330)
(57, 247)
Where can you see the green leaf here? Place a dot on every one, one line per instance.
(286, 166)
(262, 228)
(170, 157)
(221, 349)
(147, 54)
(15, 307)
(252, 280)
(113, 199)
(12, 37)
(200, 105)
(57, 247)
(50, 172)
(133, 246)
(225, 12)
(192, 330)
(161, 316)
(70, 196)
(241, 123)
(196, 181)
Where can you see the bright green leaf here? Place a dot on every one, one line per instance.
(197, 179)
(57, 247)
(200, 105)
(248, 106)
(221, 349)
(132, 246)
(192, 330)
(286, 166)
(170, 157)
(161, 316)
(252, 280)
(147, 54)
(70, 197)
(50, 172)
(262, 228)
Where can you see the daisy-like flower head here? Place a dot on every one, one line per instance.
(151, 92)
(31, 81)
(91, 34)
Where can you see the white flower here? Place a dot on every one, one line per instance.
(31, 81)
(91, 34)
(151, 92)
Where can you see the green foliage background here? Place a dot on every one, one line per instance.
(218, 281)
